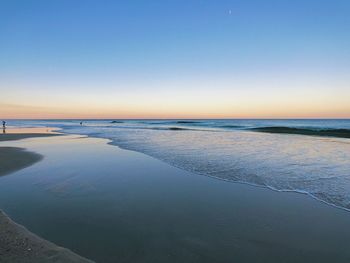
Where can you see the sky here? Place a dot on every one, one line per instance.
(174, 59)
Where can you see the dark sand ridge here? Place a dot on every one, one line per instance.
(14, 158)
(17, 244)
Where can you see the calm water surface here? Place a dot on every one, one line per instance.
(113, 205)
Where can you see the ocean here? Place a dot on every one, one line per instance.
(306, 156)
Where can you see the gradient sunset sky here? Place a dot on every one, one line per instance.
(175, 59)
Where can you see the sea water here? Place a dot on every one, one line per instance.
(308, 156)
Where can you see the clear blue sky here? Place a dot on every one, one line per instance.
(210, 58)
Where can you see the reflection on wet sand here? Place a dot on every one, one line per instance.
(13, 130)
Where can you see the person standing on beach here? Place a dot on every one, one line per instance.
(4, 126)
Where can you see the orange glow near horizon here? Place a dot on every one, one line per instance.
(275, 111)
(254, 99)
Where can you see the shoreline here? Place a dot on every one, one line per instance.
(18, 244)
(265, 186)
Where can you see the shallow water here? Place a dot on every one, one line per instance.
(229, 150)
(112, 205)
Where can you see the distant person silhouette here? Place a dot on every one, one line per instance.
(3, 126)
(81, 123)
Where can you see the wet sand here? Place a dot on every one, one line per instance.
(16, 158)
(17, 244)
(19, 136)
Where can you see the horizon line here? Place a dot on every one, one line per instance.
(234, 118)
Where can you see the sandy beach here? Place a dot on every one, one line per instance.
(17, 244)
